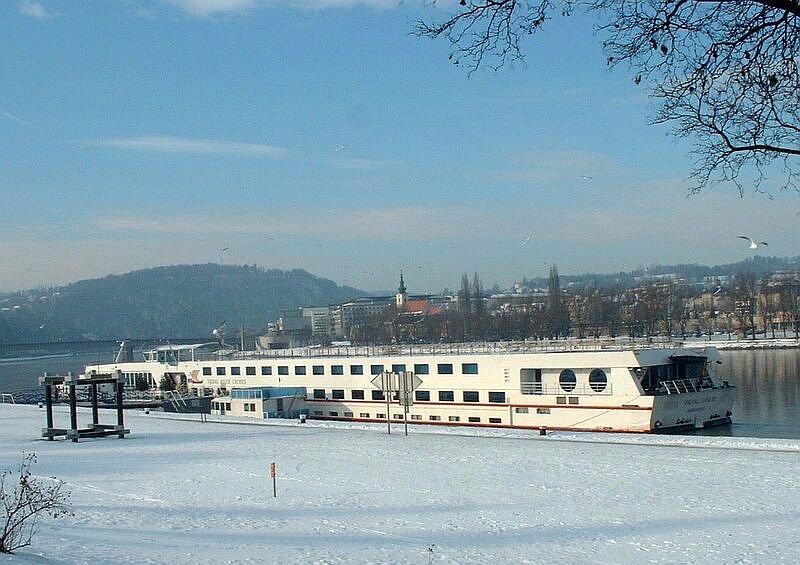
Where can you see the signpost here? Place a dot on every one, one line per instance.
(273, 473)
(403, 385)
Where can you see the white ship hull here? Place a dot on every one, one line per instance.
(620, 390)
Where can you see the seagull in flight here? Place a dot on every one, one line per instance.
(753, 243)
(526, 240)
(340, 148)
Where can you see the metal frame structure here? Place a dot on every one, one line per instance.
(91, 380)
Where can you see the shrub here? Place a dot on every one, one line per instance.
(25, 499)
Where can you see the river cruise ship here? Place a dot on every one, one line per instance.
(558, 386)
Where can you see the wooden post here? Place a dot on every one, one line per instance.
(95, 418)
(48, 399)
(273, 473)
(120, 419)
(73, 412)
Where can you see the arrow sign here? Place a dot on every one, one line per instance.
(409, 381)
(386, 381)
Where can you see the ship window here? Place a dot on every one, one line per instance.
(236, 370)
(266, 371)
(567, 380)
(421, 368)
(375, 369)
(317, 412)
(416, 417)
(446, 396)
(598, 380)
(333, 413)
(356, 369)
(454, 418)
(497, 397)
(250, 370)
(495, 420)
(228, 406)
(561, 399)
(283, 369)
(299, 369)
(530, 381)
(348, 414)
(247, 407)
(220, 370)
(318, 370)
(422, 395)
(379, 415)
(542, 410)
(377, 395)
(337, 394)
(444, 368)
(434, 418)
(363, 415)
(398, 368)
(572, 400)
(398, 416)
(337, 369)
(319, 393)
(207, 371)
(521, 410)
(474, 419)
(471, 396)
(357, 394)
(469, 368)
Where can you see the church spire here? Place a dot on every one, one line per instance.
(401, 296)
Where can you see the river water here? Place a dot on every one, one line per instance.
(767, 385)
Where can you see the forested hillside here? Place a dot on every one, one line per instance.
(185, 301)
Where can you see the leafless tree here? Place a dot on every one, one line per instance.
(724, 72)
(25, 499)
(744, 292)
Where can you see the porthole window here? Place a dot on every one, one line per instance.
(567, 380)
(598, 380)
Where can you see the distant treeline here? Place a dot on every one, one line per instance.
(173, 302)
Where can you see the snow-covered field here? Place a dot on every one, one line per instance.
(181, 491)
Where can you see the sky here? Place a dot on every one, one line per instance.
(185, 492)
(319, 134)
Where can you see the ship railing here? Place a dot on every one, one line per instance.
(477, 348)
(684, 386)
(7, 398)
(545, 389)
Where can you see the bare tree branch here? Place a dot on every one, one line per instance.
(725, 72)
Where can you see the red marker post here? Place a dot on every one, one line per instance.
(273, 474)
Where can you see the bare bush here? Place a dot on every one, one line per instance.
(25, 499)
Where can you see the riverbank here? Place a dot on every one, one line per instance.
(198, 493)
(742, 344)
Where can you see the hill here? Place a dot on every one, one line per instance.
(184, 301)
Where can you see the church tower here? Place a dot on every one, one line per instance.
(401, 296)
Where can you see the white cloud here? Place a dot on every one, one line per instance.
(33, 10)
(164, 144)
(203, 8)
(379, 224)
(210, 7)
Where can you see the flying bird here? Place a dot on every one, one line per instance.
(586, 177)
(526, 240)
(340, 148)
(753, 243)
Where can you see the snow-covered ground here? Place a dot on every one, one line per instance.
(181, 491)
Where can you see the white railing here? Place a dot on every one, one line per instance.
(7, 398)
(683, 386)
(543, 389)
(478, 348)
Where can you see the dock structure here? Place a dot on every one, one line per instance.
(72, 382)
